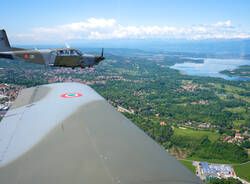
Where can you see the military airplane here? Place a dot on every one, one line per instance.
(62, 57)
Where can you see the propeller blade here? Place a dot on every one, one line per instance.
(67, 45)
(102, 52)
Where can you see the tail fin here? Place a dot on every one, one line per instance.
(4, 42)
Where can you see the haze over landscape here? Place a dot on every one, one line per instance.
(179, 70)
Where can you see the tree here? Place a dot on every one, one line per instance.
(165, 134)
(246, 144)
(224, 181)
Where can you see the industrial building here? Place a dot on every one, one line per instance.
(217, 170)
(207, 170)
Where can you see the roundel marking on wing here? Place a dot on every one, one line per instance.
(26, 56)
(71, 95)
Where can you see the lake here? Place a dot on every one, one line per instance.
(212, 67)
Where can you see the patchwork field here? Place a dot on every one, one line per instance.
(196, 134)
(243, 171)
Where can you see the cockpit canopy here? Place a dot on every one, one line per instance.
(66, 52)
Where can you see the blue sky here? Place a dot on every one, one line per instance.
(47, 21)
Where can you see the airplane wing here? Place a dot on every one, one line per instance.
(66, 133)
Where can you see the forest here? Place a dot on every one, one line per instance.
(241, 71)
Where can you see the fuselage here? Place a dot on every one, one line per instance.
(63, 57)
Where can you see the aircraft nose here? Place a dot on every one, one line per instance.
(99, 58)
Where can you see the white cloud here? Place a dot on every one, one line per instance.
(223, 24)
(100, 28)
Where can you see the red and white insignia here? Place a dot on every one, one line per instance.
(71, 95)
(26, 56)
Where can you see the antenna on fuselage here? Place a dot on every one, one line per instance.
(67, 45)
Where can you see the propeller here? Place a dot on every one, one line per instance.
(67, 45)
(99, 58)
(102, 52)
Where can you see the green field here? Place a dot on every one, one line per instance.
(215, 161)
(196, 134)
(243, 171)
(236, 110)
(186, 137)
(232, 89)
(189, 165)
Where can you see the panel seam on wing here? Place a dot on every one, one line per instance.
(5, 150)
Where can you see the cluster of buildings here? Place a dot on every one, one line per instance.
(199, 125)
(190, 88)
(116, 78)
(61, 75)
(202, 102)
(4, 108)
(216, 170)
(238, 138)
(163, 123)
(204, 125)
(8, 94)
(122, 109)
(9, 91)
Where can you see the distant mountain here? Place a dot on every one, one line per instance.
(239, 47)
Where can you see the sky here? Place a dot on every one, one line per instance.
(57, 21)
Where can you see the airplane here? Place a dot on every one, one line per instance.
(61, 57)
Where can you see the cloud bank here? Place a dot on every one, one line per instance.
(100, 28)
